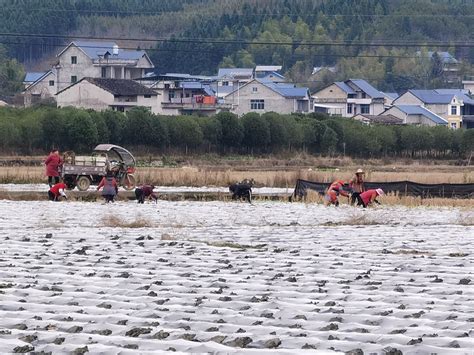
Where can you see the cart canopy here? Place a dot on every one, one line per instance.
(121, 152)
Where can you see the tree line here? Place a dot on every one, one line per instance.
(37, 130)
(249, 27)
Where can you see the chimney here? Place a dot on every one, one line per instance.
(115, 50)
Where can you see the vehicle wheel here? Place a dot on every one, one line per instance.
(83, 183)
(128, 182)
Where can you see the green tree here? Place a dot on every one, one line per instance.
(256, 131)
(329, 141)
(81, 131)
(232, 130)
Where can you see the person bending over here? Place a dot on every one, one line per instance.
(57, 191)
(337, 188)
(369, 197)
(145, 192)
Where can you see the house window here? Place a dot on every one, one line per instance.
(167, 86)
(257, 104)
(454, 110)
(349, 108)
(73, 59)
(147, 96)
(364, 95)
(103, 72)
(51, 83)
(225, 83)
(364, 109)
(254, 89)
(351, 96)
(454, 125)
(73, 79)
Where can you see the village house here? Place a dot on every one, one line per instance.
(453, 105)
(108, 94)
(383, 119)
(349, 98)
(266, 96)
(416, 115)
(39, 87)
(94, 59)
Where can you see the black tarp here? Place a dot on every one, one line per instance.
(402, 188)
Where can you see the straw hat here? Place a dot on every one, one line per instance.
(360, 171)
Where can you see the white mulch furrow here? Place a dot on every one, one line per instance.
(215, 277)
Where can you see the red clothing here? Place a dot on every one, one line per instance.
(53, 162)
(104, 180)
(55, 189)
(148, 191)
(369, 196)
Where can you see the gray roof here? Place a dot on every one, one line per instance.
(392, 95)
(344, 87)
(420, 110)
(383, 119)
(118, 87)
(96, 49)
(367, 88)
(442, 96)
(445, 57)
(234, 72)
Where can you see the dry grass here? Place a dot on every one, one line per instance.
(117, 222)
(354, 220)
(466, 219)
(276, 177)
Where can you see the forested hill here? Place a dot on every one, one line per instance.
(380, 40)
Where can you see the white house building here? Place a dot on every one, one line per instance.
(267, 96)
(349, 98)
(451, 104)
(104, 94)
(94, 59)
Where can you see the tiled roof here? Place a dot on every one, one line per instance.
(95, 49)
(367, 88)
(121, 87)
(383, 119)
(420, 110)
(287, 89)
(344, 87)
(442, 96)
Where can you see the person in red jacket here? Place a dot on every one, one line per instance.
(53, 163)
(110, 186)
(334, 190)
(145, 191)
(368, 197)
(56, 191)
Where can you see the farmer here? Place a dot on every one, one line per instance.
(145, 191)
(56, 191)
(110, 186)
(334, 190)
(357, 185)
(53, 163)
(368, 197)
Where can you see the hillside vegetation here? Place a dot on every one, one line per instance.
(364, 38)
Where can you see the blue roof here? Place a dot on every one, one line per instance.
(286, 89)
(94, 49)
(31, 77)
(197, 86)
(441, 96)
(392, 95)
(344, 87)
(420, 110)
(367, 88)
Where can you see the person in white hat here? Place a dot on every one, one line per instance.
(357, 185)
(368, 197)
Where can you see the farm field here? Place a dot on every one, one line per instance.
(233, 277)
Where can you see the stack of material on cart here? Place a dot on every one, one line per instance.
(90, 160)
